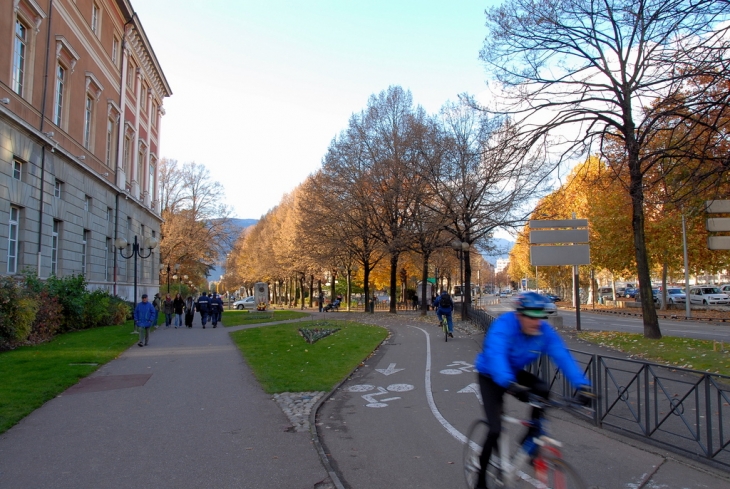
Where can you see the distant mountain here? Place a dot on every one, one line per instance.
(499, 248)
(215, 274)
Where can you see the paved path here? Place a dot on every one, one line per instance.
(196, 418)
(381, 434)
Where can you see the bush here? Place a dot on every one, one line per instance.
(71, 294)
(48, 319)
(119, 310)
(96, 309)
(17, 312)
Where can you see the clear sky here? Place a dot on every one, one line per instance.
(260, 88)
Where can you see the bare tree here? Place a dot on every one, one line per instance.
(479, 180)
(574, 73)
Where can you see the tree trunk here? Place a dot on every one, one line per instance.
(424, 286)
(664, 286)
(366, 285)
(466, 287)
(651, 321)
(393, 281)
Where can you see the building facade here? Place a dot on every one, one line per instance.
(81, 97)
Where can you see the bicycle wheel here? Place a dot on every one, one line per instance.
(476, 436)
(445, 327)
(559, 474)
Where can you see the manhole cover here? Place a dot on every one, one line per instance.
(108, 383)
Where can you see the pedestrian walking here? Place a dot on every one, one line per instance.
(203, 303)
(320, 300)
(179, 306)
(213, 309)
(168, 307)
(189, 311)
(157, 302)
(145, 315)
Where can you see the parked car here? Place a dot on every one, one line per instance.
(247, 303)
(725, 289)
(676, 296)
(654, 293)
(504, 293)
(605, 293)
(707, 295)
(631, 293)
(550, 307)
(620, 292)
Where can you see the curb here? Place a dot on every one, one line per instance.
(635, 314)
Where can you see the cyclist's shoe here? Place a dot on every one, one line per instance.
(451, 335)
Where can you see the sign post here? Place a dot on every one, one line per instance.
(559, 242)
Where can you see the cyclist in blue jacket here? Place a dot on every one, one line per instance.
(513, 341)
(444, 305)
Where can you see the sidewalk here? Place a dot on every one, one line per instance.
(183, 412)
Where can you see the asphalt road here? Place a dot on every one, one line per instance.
(400, 421)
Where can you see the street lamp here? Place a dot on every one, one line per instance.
(148, 243)
(461, 247)
(174, 277)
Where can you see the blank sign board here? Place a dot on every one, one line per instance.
(559, 236)
(718, 206)
(716, 224)
(560, 255)
(561, 223)
(718, 242)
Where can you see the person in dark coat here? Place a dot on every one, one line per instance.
(203, 308)
(215, 307)
(145, 316)
(168, 307)
(189, 311)
(179, 307)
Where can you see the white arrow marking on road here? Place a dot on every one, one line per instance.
(390, 370)
(473, 388)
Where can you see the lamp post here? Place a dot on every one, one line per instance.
(147, 243)
(461, 247)
(179, 278)
(174, 277)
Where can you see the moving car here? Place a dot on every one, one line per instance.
(247, 303)
(707, 295)
(550, 307)
(553, 297)
(504, 293)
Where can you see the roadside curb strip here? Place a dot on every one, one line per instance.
(634, 314)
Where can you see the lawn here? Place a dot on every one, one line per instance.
(283, 361)
(238, 318)
(704, 355)
(31, 375)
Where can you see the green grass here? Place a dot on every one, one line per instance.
(238, 318)
(703, 355)
(31, 375)
(283, 361)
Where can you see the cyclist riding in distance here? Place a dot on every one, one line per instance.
(445, 307)
(513, 341)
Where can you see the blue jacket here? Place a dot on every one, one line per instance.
(203, 302)
(506, 350)
(145, 315)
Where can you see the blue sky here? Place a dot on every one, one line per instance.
(260, 88)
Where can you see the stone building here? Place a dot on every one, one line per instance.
(81, 96)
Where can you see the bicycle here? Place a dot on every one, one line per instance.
(515, 469)
(445, 327)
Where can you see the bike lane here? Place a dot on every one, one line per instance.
(400, 420)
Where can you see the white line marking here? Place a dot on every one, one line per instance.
(429, 395)
(390, 370)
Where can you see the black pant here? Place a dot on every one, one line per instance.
(493, 399)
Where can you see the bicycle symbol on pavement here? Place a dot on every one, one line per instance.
(465, 367)
(379, 403)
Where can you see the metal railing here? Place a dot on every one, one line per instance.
(681, 409)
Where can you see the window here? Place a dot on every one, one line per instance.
(115, 51)
(54, 247)
(109, 214)
(127, 156)
(17, 170)
(84, 250)
(95, 18)
(13, 239)
(19, 57)
(129, 223)
(140, 166)
(58, 103)
(57, 188)
(108, 260)
(87, 203)
(151, 181)
(153, 115)
(88, 116)
(131, 72)
(110, 131)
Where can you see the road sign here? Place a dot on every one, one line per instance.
(573, 251)
(718, 224)
(560, 255)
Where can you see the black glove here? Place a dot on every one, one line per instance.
(519, 391)
(584, 396)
